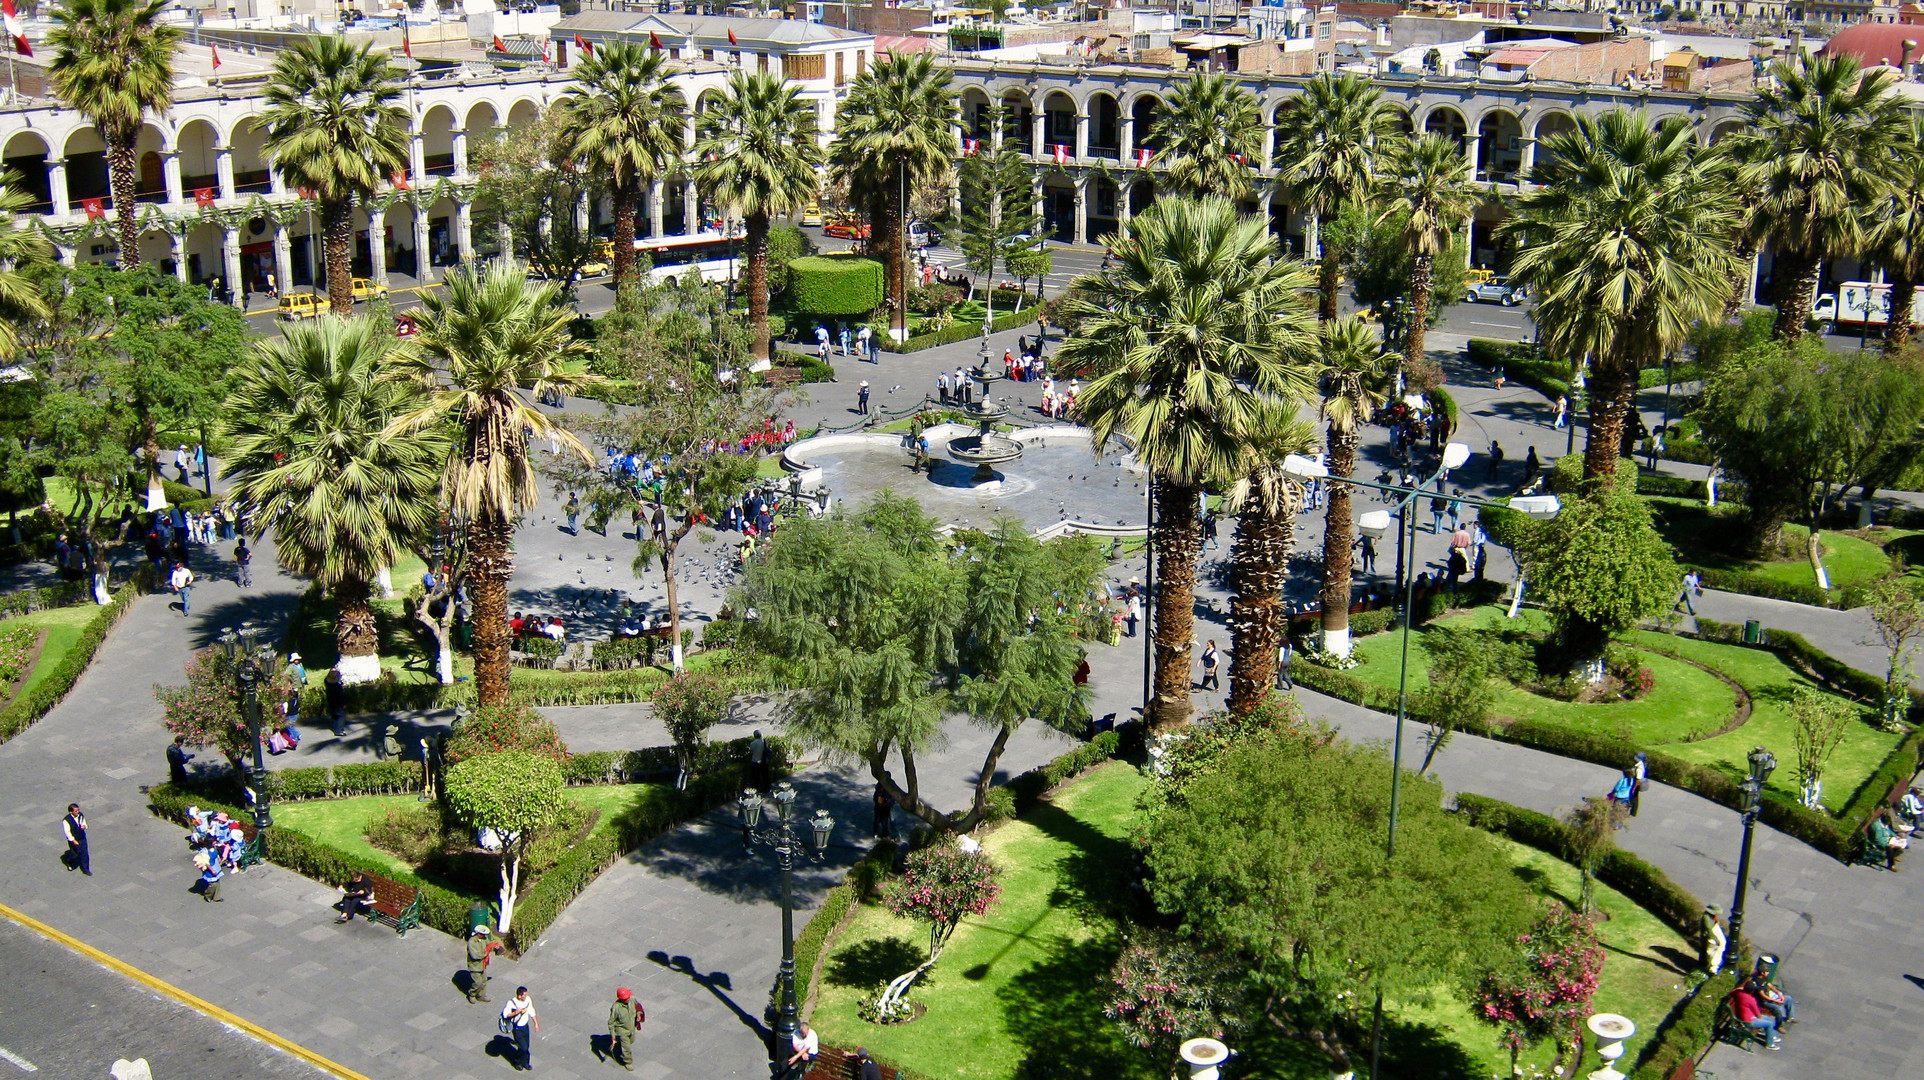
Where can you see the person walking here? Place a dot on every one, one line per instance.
(1439, 507)
(863, 342)
(573, 510)
(1640, 779)
(74, 828)
(182, 582)
(518, 1020)
(758, 762)
(861, 399)
(336, 689)
(1210, 659)
(1284, 654)
(1496, 459)
(177, 759)
(1693, 585)
(1367, 545)
(842, 338)
(1563, 411)
(481, 947)
(884, 827)
(1132, 612)
(625, 1017)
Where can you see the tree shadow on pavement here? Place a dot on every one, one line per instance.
(716, 983)
(708, 853)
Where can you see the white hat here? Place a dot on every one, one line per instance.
(293, 656)
(864, 382)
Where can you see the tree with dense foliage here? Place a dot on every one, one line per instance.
(528, 180)
(997, 206)
(312, 462)
(481, 339)
(1169, 990)
(1428, 191)
(1897, 235)
(497, 729)
(1600, 568)
(1273, 851)
(113, 62)
(1199, 325)
(1468, 664)
(1625, 243)
(1355, 377)
(893, 134)
(20, 301)
(1329, 141)
(513, 793)
(206, 709)
(1265, 501)
(884, 630)
(688, 704)
(1379, 268)
(756, 151)
(1545, 989)
(336, 127)
(940, 884)
(1897, 619)
(1821, 151)
(624, 119)
(1208, 137)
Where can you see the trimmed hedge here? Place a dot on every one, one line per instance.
(1685, 1033)
(1031, 786)
(528, 686)
(824, 285)
(1548, 377)
(28, 601)
(1671, 487)
(962, 332)
(1752, 584)
(39, 701)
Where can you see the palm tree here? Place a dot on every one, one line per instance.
(1626, 243)
(1429, 184)
(335, 128)
(625, 118)
(20, 300)
(1210, 135)
(1819, 154)
(892, 132)
(481, 339)
(113, 61)
(1329, 139)
(1265, 502)
(1198, 325)
(312, 460)
(1355, 370)
(757, 152)
(1897, 236)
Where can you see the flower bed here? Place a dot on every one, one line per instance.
(62, 667)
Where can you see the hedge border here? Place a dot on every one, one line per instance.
(28, 708)
(953, 334)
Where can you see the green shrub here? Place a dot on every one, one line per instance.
(1673, 487)
(1551, 378)
(344, 781)
(961, 332)
(412, 832)
(824, 285)
(28, 601)
(1686, 1032)
(1750, 584)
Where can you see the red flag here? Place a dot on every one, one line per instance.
(547, 56)
(731, 38)
(204, 197)
(498, 47)
(400, 181)
(1143, 154)
(654, 40)
(407, 47)
(584, 46)
(1062, 154)
(94, 207)
(215, 49)
(15, 30)
(304, 192)
(970, 147)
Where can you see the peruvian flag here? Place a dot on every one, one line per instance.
(1062, 154)
(584, 46)
(1143, 154)
(654, 40)
(731, 37)
(204, 197)
(95, 209)
(304, 192)
(407, 47)
(498, 46)
(971, 147)
(547, 54)
(15, 30)
(215, 49)
(400, 181)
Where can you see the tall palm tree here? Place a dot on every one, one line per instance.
(481, 339)
(1197, 326)
(335, 127)
(892, 132)
(312, 459)
(1329, 139)
(1626, 243)
(1429, 184)
(1819, 154)
(623, 117)
(113, 61)
(1265, 502)
(1355, 369)
(20, 300)
(1897, 235)
(1210, 134)
(757, 151)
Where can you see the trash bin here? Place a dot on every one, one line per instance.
(1753, 632)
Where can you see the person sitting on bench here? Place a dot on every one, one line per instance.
(1768, 994)
(356, 896)
(1751, 1014)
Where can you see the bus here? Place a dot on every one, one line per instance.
(672, 257)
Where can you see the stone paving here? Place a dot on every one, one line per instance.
(692, 924)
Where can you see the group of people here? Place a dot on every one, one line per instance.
(862, 338)
(1025, 362)
(217, 843)
(1891, 830)
(521, 627)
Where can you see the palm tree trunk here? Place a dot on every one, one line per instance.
(626, 201)
(1794, 280)
(1420, 278)
(884, 242)
(1258, 558)
(492, 552)
(1740, 280)
(1178, 540)
(1336, 542)
(1898, 333)
(355, 637)
(337, 231)
(122, 176)
(1328, 276)
(755, 238)
(1613, 391)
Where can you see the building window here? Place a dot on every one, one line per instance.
(861, 61)
(761, 62)
(708, 55)
(805, 66)
(840, 78)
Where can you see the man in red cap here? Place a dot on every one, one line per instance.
(624, 1017)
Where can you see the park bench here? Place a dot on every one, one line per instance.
(395, 904)
(782, 376)
(251, 851)
(1725, 1029)
(833, 1064)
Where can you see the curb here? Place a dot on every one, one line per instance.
(182, 996)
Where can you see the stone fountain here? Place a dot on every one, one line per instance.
(987, 448)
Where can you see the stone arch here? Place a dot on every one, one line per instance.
(1444, 120)
(1553, 124)
(86, 165)
(25, 156)
(1142, 195)
(157, 249)
(251, 170)
(709, 99)
(1105, 126)
(1142, 113)
(1725, 129)
(437, 140)
(976, 106)
(1404, 122)
(1105, 206)
(1499, 146)
(199, 161)
(1018, 119)
(1058, 205)
(482, 118)
(523, 112)
(1058, 121)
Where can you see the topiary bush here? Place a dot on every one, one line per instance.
(821, 285)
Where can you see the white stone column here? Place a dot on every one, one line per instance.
(224, 168)
(1529, 162)
(1122, 209)
(67, 255)
(423, 255)
(417, 159)
(690, 207)
(230, 252)
(1036, 205)
(1082, 136)
(377, 246)
(1756, 268)
(1470, 144)
(460, 151)
(464, 231)
(178, 242)
(276, 183)
(57, 187)
(1039, 139)
(1082, 211)
(1128, 140)
(170, 168)
(654, 210)
(581, 213)
(283, 259)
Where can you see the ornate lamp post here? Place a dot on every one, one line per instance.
(780, 835)
(1762, 762)
(248, 670)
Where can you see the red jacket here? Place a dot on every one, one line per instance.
(1745, 1005)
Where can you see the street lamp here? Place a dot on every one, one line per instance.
(1762, 762)
(780, 835)
(248, 669)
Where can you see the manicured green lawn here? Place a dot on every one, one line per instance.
(63, 626)
(1700, 538)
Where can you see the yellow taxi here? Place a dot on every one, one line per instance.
(1479, 275)
(300, 306)
(367, 289)
(812, 215)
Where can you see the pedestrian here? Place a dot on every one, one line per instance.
(1367, 545)
(1455, 568)
(1132, 611)
(180, 466)
(842, 338)
(1456, 508)
(1482, 563)
(296, 671)
(336, 690)
(861, 399)
(481, 947)
(1439, 506)
(1531, 465)
(1496, 458)
(1501, 375)
(182, 582)
(821, 341)
(1693, 586)
(1211, 528)
(874, 348)
(1563, 411)
(942, 387)
(806, 1045)
(518, 1020)
(960, 389)
(1284, 654)
(863, 339)
(884, 827)
(177, 759)
(625, 1017)
(1622, 790)
(74, 828)
(573, 510)
(1210, 658)
(758, 762)
(1640, 777)
(208, 862)
(658, 524)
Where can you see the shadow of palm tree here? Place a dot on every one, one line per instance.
(874, 962)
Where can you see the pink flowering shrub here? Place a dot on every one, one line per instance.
(1547, 991)
(941, 885)
(15, 646)
(207, 707)
(1167, 989)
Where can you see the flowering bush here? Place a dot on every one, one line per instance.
(1168, 990)
(1548, 989)
(15, 646)
(942, 884)
(493, 729)
(207, 707)
(689, 704)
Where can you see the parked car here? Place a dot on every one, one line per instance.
(1497, 290)
(295, 306)
(847, 228)
(367, 289)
